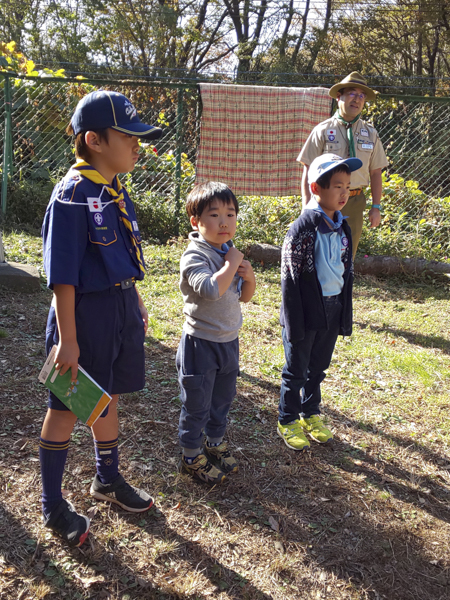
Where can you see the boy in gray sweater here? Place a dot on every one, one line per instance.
(214, 279)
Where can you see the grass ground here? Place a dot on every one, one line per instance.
(366, 517)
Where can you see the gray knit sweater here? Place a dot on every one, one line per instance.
(208, 315)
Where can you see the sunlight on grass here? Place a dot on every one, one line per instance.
(394, 365)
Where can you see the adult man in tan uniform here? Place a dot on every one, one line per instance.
(346, 134)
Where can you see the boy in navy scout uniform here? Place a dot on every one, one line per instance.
(92, 258)
(316, 288)
(214, 279)
(346, 134)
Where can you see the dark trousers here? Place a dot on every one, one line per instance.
(207, 373)
(306, 363)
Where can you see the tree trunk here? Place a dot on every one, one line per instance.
(370, 265)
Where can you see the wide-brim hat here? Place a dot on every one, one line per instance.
(355, 79)
(103, 109)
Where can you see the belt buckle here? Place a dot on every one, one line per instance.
(126, 283)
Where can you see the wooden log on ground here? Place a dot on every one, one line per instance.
(366, 265)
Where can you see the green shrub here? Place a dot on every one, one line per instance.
(26, 204)
(413, 224)
(265, 219)
(158, 221)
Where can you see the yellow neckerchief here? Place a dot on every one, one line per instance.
(93, 175)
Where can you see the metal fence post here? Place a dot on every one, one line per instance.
(178, 153)
(7, 142)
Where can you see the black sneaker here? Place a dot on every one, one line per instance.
(200, 468)
(122, 493)
(68, 524)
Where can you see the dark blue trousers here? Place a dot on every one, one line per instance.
(207, 373)
(306, 363)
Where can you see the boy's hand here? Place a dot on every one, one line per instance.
(144, 315)
(143, 311)
(245, 271)
(225, 275)
(234, 257)
(248, 287)
(66, 358)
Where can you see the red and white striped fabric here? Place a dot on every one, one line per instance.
(251, 136)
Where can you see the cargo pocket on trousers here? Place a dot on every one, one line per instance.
(192, 386)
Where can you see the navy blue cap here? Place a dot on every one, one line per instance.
(102, 109)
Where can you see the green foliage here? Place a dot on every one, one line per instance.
(13, 61)
(160, 216)
(416, 140)
(265, 219)
(413, 224)
(158, 221)
(27, 201)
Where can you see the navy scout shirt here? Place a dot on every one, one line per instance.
(86, 243)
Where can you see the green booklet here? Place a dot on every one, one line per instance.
(84, 397)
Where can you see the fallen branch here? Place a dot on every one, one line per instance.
(368, 265)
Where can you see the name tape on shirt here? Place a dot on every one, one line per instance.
(367, 146)
(95, 204)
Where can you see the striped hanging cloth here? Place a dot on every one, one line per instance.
(90, 173)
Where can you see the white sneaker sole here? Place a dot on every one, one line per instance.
(105, 498)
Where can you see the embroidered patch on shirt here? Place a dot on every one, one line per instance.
(95, 204)
(135, 226)
(364, 132)
(98, 218)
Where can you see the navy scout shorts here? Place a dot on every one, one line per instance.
(110, 335)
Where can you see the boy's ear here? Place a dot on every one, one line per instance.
(314, 187)
(92, 141)
(194, 223)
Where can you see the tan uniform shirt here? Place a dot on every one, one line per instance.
(331, 136)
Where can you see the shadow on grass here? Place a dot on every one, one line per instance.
(331, 533)
(26, 560)
(418, 339)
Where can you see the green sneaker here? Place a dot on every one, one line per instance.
(222, 456)
(293, 436)
(316, 429)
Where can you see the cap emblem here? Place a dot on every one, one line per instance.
(130, 111)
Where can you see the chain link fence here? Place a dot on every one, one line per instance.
(414, 132)
(39, 112)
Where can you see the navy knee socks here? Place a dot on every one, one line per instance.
(52, 456)
(107, 460)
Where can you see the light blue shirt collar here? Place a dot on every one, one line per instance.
(315, 206)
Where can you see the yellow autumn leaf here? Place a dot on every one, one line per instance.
(30, 66)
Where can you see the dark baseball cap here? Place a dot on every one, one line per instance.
(102, 109)
(325, 162)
